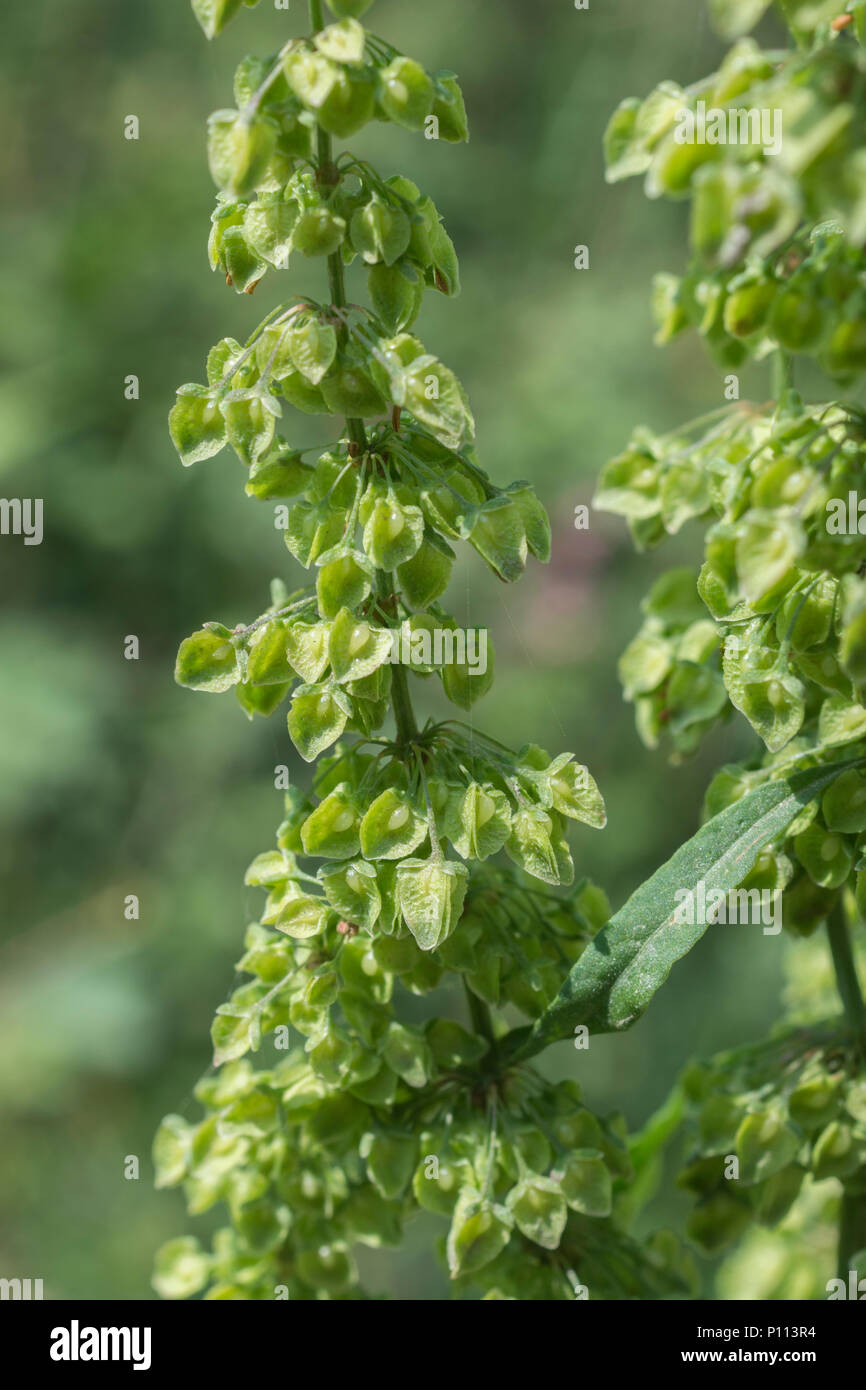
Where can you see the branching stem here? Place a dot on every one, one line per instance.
(401, 701)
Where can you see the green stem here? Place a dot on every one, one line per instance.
(846, 973)
(482, 1021)
(336, 273)
(401, 703)
(401, 699)
(852, 1231)
(852, 1212)
(783, 374)
(336, 277)
(404, 715)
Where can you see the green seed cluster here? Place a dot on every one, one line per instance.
(327, 951)
(786, 1110)
(422, 1122)
(804, 298)
(770, 228)
(773, 620)
(376, 529)
(772, 625)
(778, 266)
(308, 1172)
(276, 200)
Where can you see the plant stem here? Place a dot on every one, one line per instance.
(852, 1211)
(401, 700)
(852, 1230)
(846, 973)
(329, 177)
(482, 1021)
(783, 374)
(404, 715)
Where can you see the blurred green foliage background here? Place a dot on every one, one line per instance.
(115, 781)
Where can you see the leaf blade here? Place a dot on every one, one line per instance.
(617, 975)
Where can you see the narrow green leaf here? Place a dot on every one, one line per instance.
(617, 975)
